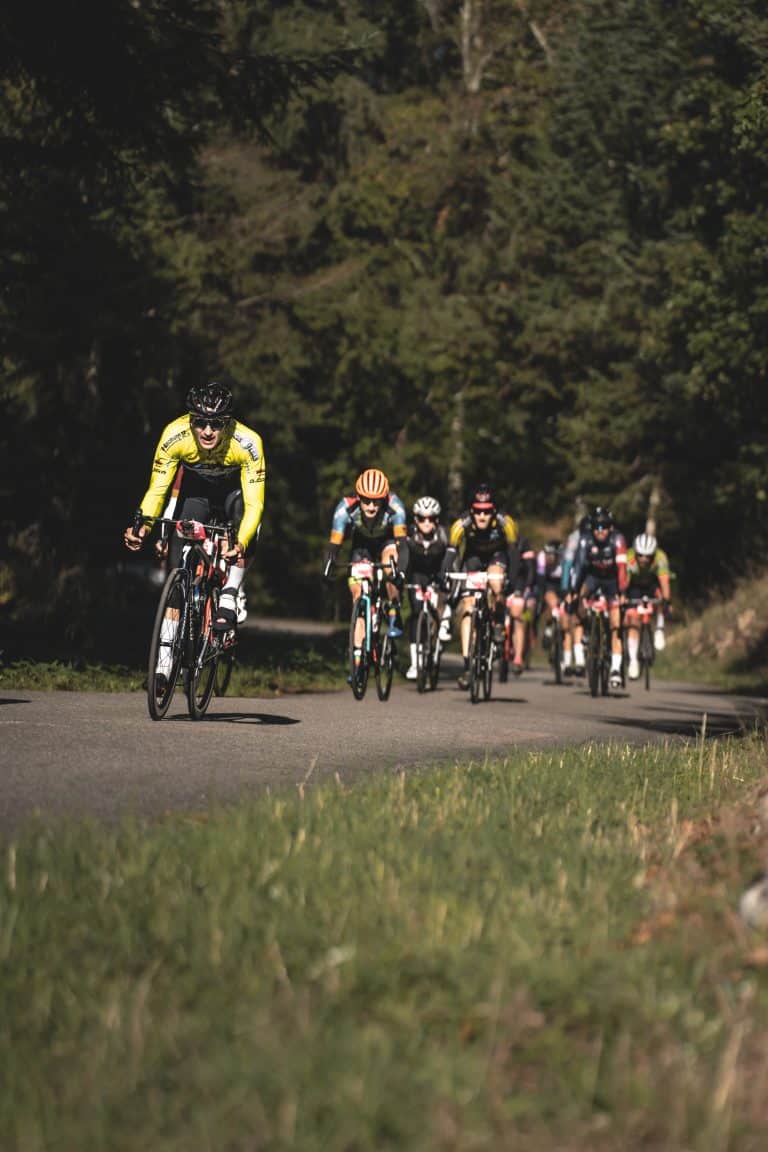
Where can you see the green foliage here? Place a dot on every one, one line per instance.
(536, 253)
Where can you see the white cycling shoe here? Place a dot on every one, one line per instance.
(240, 605)
(659, 640)
(614, 679)
(634, 669)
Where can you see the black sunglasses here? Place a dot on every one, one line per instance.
(422, 519)
(215, 423)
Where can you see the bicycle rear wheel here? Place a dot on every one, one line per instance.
(358, 671)
(202, 673)
(224, 666)
(384, 667)
(423, 650)
(167, 644)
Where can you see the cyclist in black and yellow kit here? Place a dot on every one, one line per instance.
(224, 475)
(482, 539)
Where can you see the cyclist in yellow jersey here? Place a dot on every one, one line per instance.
(224, 475)
(482, 539)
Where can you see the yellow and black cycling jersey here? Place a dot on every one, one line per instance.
(647, 576)
(239, 455)
(466, 539)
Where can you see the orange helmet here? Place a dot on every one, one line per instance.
(372, 485)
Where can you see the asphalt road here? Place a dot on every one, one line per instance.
(99, 754)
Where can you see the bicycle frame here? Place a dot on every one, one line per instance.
(644, 608)
(427, 597)
(375, 649)
(185, 616)
(481, 647)
(597, 632)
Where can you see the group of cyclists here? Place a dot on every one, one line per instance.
(522, 582)
(207, 464)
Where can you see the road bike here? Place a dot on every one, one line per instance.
(646, 650)
(377, 649)
(184, 641)
(482, 647)
(429, 646)
(597, 639)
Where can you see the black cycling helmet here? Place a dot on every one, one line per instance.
(584, 524)
(483, 499)
(600, 518)
(210, 400)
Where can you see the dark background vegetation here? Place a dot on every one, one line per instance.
(517, 239)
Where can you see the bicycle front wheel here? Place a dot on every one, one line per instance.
(202, 673)
(434, 666)
(385, 666)
(594, 655)
(646, 654)
(556, 652)
(358, 666)
(487, 662)
(423, 650)
(475, 659)
(605, 663)
(167, 644)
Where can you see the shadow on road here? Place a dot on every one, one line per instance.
(683, 720)
(239, 718)
(10, 700)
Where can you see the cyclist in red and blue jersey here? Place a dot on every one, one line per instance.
(375, 520)
(601, 562)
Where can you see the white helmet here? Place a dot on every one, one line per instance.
(426, 506)
(645, 544)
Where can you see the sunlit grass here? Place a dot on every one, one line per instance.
(539, 951)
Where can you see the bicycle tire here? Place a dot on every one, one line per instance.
(487, 659)
(506, 651)
(528, 645)
(646, 654)
(202, 671)
(384, 666)
(556, 651)
(594, 655)
(224, 666)
(358, 673)
(434, 667)
(475, 655)
(423, 650)
(173, 597)
(605, 663)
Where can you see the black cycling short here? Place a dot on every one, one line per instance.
(610, 588)
(207, 502)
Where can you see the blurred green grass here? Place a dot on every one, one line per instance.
(534, 952)
(267, 664)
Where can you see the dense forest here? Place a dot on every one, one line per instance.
(520, 240)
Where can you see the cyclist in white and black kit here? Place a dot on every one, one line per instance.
(427, 542)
